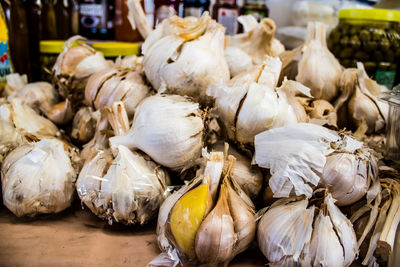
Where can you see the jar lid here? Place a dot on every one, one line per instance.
(51, 46)
(370, 14)
(116, 49)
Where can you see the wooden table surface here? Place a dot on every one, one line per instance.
(76, 237)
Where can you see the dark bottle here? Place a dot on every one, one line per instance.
(195, 8)
(226, 13)
(17, 23)
(96, 19)
(256, 8)
(164, 9)
(49, 23)
(34, 14)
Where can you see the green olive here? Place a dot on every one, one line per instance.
(344, 41)
(355, 42)
(378, 34)
(365, 36)
(361, 56)
(346, 53)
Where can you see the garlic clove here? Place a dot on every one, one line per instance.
(213, 170)
(325, 247)
(344, 230)
(61, 113)
(185, 218)
(15, 82)
(96, 81)
(243, 216)
(8, 134)
(216, 236)
(237, 60)
(84, 124)
(284, 230)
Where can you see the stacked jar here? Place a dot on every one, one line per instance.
(370, 36)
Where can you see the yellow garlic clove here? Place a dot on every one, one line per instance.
(186, 217)
(216, 236)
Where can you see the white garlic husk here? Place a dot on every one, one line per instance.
(248, 49)
(184, 55)
(74, 66)
(105, 87)
(84, 124)
(250, 103)
(40, 96)
(313, 64)
(61, 113)
(38, 178)
(127, 188)
(358, 102)
(168, 128)
(289, 233)
(17, 120)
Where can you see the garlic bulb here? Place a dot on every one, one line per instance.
(313, 64)
(134, 63)
(40, 96)
(74, 66)
(125, 187)
(252, 45)
(17, 120)
(287, 234)
(358, 102)
(168, 128)
(38, 178)
(184, 56)
(204, 233)
(296, 155)
(105, 87)
(84, 124)
(349, 175)
(250, 103)
(248, 177)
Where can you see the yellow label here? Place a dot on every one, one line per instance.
(3, 30)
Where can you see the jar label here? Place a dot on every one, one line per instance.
(385, 78)
(5, 66)
(228, 17)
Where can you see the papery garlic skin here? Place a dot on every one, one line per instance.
(184, 56)
(131, 190)
(237, 60)
(8, 133)
(284, 230)
(174, 136)
(38, 178)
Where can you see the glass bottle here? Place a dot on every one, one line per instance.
(122, 27)
(256, 8)
(226, 13)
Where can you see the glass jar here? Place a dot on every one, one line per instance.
(49, 50)
(112, 50)
(371, 36)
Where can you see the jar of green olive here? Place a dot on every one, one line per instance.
(371, 36)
